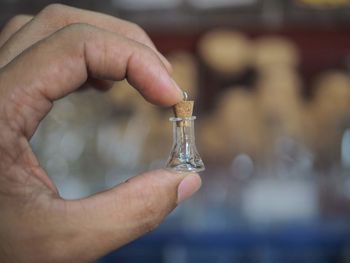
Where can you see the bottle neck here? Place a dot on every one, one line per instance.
(183, 131)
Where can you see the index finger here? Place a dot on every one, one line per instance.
(57, 16)
(61, 63)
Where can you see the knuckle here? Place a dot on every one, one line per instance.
(71, 38)
(16, 22)
(55, 15)
(54, 9)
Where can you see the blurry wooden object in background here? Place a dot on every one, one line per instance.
(225, 51)
(279, 97)
(275, 52)
(280, 107)
(329, 115)
(279, 101)
(234, 127)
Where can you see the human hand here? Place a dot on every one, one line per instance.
(42, 59)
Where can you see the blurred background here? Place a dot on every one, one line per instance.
(271, 84)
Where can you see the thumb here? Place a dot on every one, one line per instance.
(115, 217)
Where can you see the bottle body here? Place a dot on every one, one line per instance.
(184, 156)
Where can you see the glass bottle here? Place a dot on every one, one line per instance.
(184, 156)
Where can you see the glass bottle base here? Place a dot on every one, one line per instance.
(185, 168)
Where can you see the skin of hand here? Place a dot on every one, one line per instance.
(42, 59)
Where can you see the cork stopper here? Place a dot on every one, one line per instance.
(184, 109)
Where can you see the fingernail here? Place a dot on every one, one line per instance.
(188, 186)
(181, 95)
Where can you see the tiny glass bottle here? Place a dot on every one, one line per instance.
(184, 156)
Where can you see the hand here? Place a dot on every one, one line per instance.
(42, 59)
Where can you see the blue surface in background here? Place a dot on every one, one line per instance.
(295, 243)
